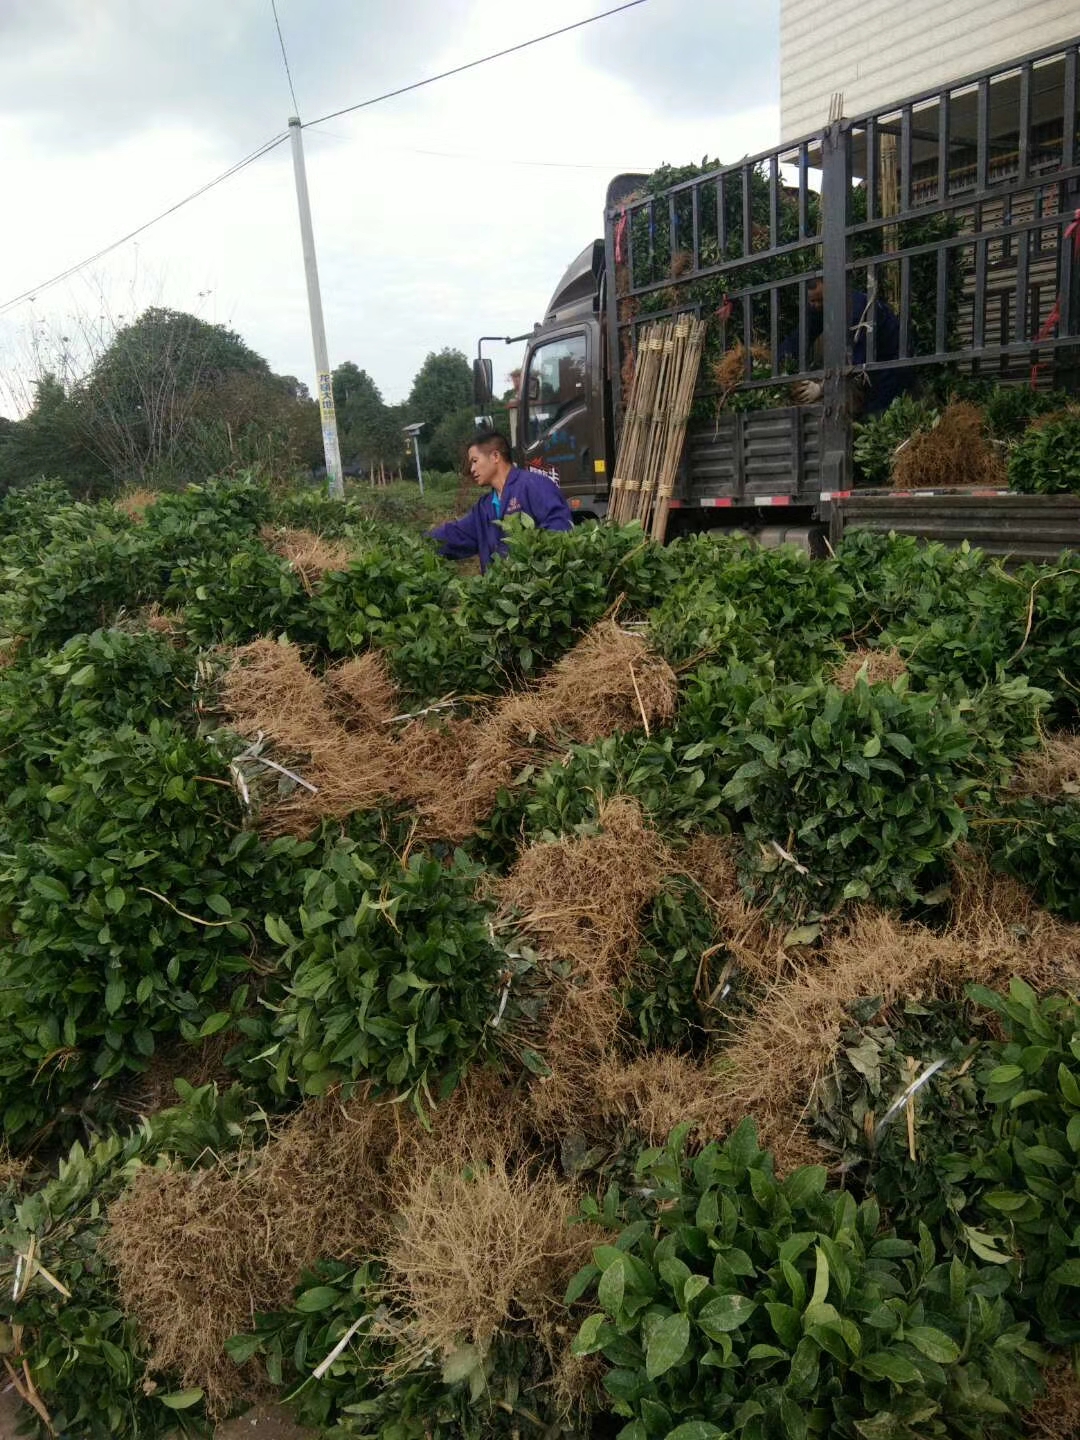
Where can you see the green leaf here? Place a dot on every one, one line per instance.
(51, 888)
(612, 1287)
(241, 1348)
(580, 1283)
(218, 904)
(805, 1185)
(114, 899)
(667, 1345)
(694, 1430)
(587, 1341)
(934, 1344)
(985, 1246)
(115, 992)
(182, 1399)
(1070, 1086)
(319, 1297)
(461, 1363)
(213, 1023)
(1067, 1274)
(725, 1313)
(885, 1366)
(821, 1278)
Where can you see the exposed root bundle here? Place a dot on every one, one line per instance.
(199, 1253)
(751, 943)
(656, 1092)
(360, 692)
(334, 733)
(729, 369)
(582, 897)
(1003, 932)
(311, 556)
(609, 682)
(169, 623)
(954, 452)
(1056, 1414)
(876, 667)
(9, 649)
(135, 503)
(479, 1250)
(269, 689)
(1051, 771)
(776, 1064)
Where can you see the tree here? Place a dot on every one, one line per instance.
(150, 388)
(369, 429)
(442, 387)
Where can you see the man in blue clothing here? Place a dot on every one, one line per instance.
(513, 491)
(879, 388)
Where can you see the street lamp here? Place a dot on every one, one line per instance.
(413, 432)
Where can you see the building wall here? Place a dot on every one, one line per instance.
(878, 51)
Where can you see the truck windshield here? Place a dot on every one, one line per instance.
(554, 385)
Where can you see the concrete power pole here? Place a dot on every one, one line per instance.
(331, 448)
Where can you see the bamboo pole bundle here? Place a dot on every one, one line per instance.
(658, 423)
(679, 416)
(626, 480)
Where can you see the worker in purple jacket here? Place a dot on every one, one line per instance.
(513, 492)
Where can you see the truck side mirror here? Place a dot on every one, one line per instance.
(482, 382)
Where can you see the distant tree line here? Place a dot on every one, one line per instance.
(169, 397)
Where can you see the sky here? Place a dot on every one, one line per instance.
(439, 216)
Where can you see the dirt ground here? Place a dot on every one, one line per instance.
(265, 1422)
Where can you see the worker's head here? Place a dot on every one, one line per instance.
(489, 458)
(815, 293)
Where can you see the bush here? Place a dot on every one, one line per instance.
(1047, 459)
(392, 978)
(86, 1357)
(731, 1303)
(128, 918)
(877, 439)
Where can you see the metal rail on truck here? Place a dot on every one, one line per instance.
(959, 207)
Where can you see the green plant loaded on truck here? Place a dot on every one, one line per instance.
(890, 303)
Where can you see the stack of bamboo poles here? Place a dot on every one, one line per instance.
(654, 429)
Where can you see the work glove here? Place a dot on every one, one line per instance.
(807, 392)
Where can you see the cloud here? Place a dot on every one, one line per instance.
(445, 214)
(697, 59)
(86, 72)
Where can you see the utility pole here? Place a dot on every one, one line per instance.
(331, 448)
(413, 431)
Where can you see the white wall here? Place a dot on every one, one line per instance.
(878, 51)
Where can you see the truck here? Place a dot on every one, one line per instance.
(958, 207)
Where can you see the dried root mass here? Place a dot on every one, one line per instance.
(311, 556)
(954, 452)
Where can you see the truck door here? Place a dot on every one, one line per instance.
(557, 407)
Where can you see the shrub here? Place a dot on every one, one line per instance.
(119, 926)
(1047, 459)
(392, 979)
(732, 1303)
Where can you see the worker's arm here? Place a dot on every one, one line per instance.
(547, 505)
(459, 539)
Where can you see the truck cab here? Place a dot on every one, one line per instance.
(561, 408)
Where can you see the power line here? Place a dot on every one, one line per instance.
(472, 64)
(131, 235)
(284, 135)
(285, 57)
